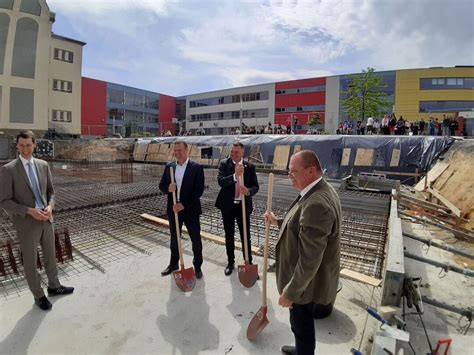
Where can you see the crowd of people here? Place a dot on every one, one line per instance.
(390, 125)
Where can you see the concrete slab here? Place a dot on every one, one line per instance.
(132, 309)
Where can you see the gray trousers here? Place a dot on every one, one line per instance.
(42, 233)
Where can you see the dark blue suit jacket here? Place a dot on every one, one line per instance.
(192, 188)
(225, 178)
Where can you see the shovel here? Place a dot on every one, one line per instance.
(248, 274)
(259, 320)
(184, 278)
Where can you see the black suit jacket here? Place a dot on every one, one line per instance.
(225, 178)
(192, 188)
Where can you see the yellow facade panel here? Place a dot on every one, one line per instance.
(408, 94)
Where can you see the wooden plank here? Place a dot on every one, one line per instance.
(204, 235)
(280, 157)
(153, 152)
(357, 276)
(346, 155)
(454, 210)
(434, 173)
(364, 157)
(396, 173)
(395, 160)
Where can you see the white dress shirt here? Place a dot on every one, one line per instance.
(309, 187)
(179, 174)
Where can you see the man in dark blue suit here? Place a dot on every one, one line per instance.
(231, 170)
(189, 187)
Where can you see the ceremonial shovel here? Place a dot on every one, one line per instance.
(259, 320)
(248, 274)
(184, 278)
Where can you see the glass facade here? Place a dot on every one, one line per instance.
(229, 99)
(388, 88)
(446, 83)
(132, 112)
(229, 115)
(446, 106)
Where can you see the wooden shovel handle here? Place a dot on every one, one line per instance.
(176, 222)
(267, 237)
(244, 222)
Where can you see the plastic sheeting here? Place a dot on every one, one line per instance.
(340, 155)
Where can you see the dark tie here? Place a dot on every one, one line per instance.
(34, 186)
(295, 202)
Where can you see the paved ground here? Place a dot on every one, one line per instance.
(132, 309)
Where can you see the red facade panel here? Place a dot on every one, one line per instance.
(303, 99)
(167, 112)
(293, 84)
(93, 107)
(294, 100)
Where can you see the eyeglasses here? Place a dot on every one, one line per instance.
(293, 172)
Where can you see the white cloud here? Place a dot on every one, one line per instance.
(210, 44)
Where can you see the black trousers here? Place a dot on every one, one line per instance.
(302, 326)
(194, 229)
(229, 218)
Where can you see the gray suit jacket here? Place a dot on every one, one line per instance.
(308, 248)
(16, 195)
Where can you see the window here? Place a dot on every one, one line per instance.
(6, 4)
(61, 116)
(62, 85)
(30, 7)
(4, 24)
(21, 105)
(63, 55)
(24, 49)
(446, 83)
(446, 106)
(301, 90)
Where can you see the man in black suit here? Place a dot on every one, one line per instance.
(231, 170)
(189, 187)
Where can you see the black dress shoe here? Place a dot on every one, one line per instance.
(198, 274)
(43, 303)
(229, 268)
(61, 290)
(288, 349)
(169, 270)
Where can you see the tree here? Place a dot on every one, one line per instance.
(365, 96)
(315, 119)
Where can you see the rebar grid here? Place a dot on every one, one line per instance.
(101, 215)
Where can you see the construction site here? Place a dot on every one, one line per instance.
(406, 250)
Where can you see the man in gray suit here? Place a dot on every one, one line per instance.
(27, 195)
(308, 249)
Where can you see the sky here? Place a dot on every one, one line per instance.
(183, 47)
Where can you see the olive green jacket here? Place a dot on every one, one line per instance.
(308, 248)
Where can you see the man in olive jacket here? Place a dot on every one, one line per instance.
(308, 249)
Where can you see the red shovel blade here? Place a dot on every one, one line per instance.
(185, 279)
(257, 324)
(248, 274)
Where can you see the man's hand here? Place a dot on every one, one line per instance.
(239, 170)
(49, 211)
(172, 187)
(38, 214)
(270, 218)
(244, 190)
(178, 207)
(285, 302)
